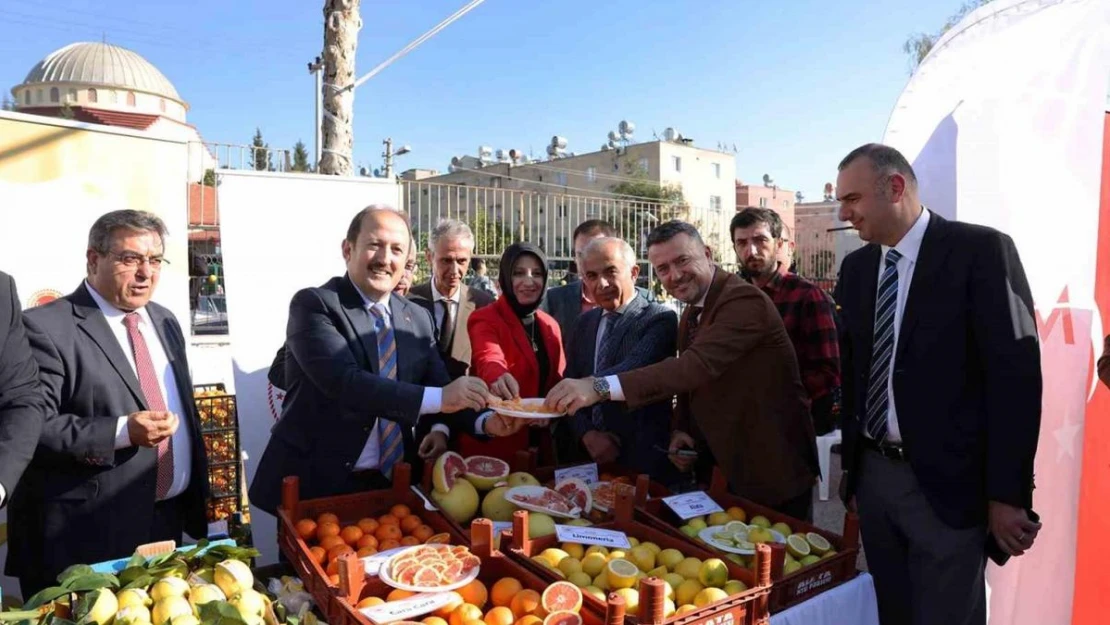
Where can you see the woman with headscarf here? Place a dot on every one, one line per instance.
(517, 349)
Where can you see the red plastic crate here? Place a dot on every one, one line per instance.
(349, 509)
(787, 590)
(751, 607)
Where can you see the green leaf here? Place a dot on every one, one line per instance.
(190, 554)
(44, 596)
(131, 573)
(176, 568)
(141, 581)
(74, 571)
(136, 560)
(85, 583)
(161, 559)
(220, 613)
(84, 605)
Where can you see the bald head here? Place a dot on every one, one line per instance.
(609, 272)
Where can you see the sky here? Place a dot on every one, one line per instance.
(794, 84)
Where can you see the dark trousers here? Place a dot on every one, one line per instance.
(800, 507)
(925, 571)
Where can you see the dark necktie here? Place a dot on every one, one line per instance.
(882, 351)
(447, 327)
(148, 382)
(604, 358)
(389, 433)
(692, 323)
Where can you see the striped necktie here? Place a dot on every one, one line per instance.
(882, 352)
(389, 433)
(152, 393)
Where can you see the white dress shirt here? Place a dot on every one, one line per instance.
(452, 301)
(909, 247)
(182, 449)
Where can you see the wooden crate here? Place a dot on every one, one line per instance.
(751, 607)
(349, 509)
(787, 590)
(355, 585)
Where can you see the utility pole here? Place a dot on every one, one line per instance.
(388, 155)
(341, 26)
(316, 68)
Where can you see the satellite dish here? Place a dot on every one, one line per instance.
(767, 181)
(627, 128)
(559, 142)
(502, 155)
(798, 197)
(456, 161)
(605, 147)
(515, 155)
(670, 134)
(612, 143)
(552, 150)
(613, 136)
(378, 173)
(362, 171)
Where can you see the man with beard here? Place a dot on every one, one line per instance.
(807, 312)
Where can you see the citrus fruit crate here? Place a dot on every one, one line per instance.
(525, 460)
(748, 606)
(520, 590)
(788, 588)
(354, 525)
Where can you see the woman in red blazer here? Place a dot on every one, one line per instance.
(516, 348)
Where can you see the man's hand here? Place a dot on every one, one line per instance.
(570, 396)
(849, 503)
(501, 425)
(434, 444)
(681, 440)
(1011, 527)
(148, 428)
(465, 392)
(603, 447)
(505, 387)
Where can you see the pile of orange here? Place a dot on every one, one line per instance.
(507, 602)
(327, 539)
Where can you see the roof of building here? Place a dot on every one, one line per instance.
(124, 119)
(93, 63)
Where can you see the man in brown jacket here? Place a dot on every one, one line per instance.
(741, 403)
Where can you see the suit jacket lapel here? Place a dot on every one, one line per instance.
(460, 347)
(407, 342)
(588, 341)
(870, 285)
(175, 353)
(930, 258)
(614, 334)
(354, 308)
(94, 324)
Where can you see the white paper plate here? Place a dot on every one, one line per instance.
(524, 414)
(384, 574)
(707, 535)
(512, 496)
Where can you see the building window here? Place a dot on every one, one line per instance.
(676, 161)
(92, 95)
(561, 211)
(113, 97)
(715, 203)
(27, 97)
(763, 202)
(130, 98)
(55, 95)
(561, 179)
(162, 104)
(644, 165)
(71, 95)
(495, 182)
(591, 174)
(38, 96)
(717, 170)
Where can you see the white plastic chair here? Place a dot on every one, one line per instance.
(824, 455)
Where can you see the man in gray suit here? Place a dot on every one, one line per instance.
(625, 332)
(447, 296)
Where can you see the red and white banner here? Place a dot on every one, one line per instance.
(1005, 124)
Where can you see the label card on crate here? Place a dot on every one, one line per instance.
(373, 563)
(690, 505)
(591, 536)
(406, 609)
(585, 472)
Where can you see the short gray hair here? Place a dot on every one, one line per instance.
(100, 235)
(450, 229)
(595, 246)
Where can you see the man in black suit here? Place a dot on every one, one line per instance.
(447, 296)
(625, 332)
(942, 394)
(364, 373)
(120, 462)
(21, 404)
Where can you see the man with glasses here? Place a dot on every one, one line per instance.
(120, 462)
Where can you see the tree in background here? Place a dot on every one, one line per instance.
(260, 152)
(918, 46)
(300, 157)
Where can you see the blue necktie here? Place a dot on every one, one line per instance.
(390, 448)
(882, 352)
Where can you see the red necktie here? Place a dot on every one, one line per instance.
(148, 382)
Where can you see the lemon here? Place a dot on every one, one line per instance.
(668, 590)
(633, 542)
(654, 547)
(133, 615)
(818, 542)
(593, 564)
(761, 521)
(602, 581)
(713, 573)
(631, 600)
(674, 580)
(760, 535)
(233, 577)
(658, 571)
(718, 518)
(618, 554)
(688, 568)
(574, 550)
(737, 513)
(782, 528)
(642, 557)
(621, 574)
(808, 560)
(103, 609)
(168, 587)
(735, 586)
(554, 556)
(697, 523)
(689, 607)
(185, 619)
(669, 558)
(668, 608)
(597, 549)
(594, 592)
(687, 591)
(797, 546)
(580, 579)
(133, 597)
(709, 595)
(689, 530)
(828, 554)
(168, 608)
(569, 566)
(791, 567)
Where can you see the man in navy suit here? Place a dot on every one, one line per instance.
(365, 380)
(942, 394)
(625, 332)
(22, 407)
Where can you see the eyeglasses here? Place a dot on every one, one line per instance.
(132, 260)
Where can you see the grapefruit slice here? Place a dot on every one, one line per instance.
(447, 470)
(426, 577)
(442, 538)
(484, 472)
(577, 491)
(560, 597)
(562, 618)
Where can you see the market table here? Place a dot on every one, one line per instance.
(851, 602)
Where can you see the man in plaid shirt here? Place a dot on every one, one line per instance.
(807, 311)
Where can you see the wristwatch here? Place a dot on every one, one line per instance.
(601, 387)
